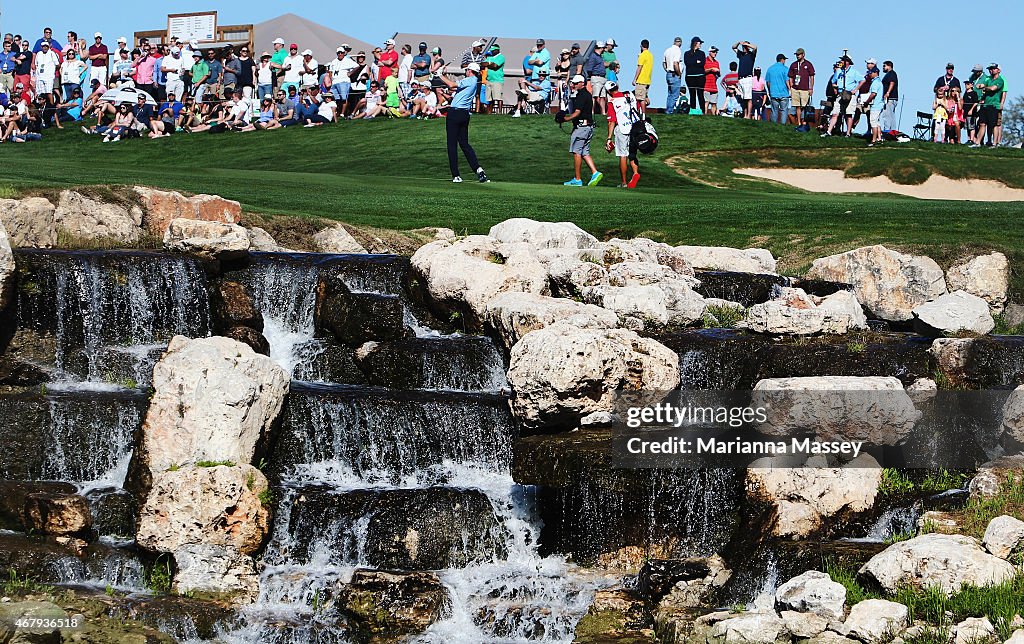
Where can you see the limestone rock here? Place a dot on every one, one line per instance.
(1013, 416)
(803, 498)
(58, 514)
(208, 568)
(670, 302)
(750, 628)
(467, 273)
(986, 276)
(85, 218)
(214, 399)
(922, 390)
(261, 241)
(40, 616)
(804, 625)
(336, 239)
(1004, 536)
(29, 222)
(994, 475)
(1016, 638)
(641, 249)
(973, 630)
(719, 258)
(163, 206)
(889, 284)
(947, 561)
(951, 354)
(542, 234)
(561, 373)
(952, 313)
(396, 603)
(7, 268)
(684, 583)
(513, 315)
(206, 239)
(796, 313)
(218, 505)
(813, 592)
(874, 409)
(634, 273)
(569, 273)
(873, 619)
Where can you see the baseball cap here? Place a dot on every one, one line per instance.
(540, 41)
(799, 51)
(122, 39)
(423, 45)
(578, 78)
(478, 43)
(435, 50)
(97, 35)
(340, 50)
(278, 41)
(993, 65)
(265, 54)
(44, 44)
(293, 46)
(565, 51)
(949, 66)
(175, 50)
(677, 39)
(610, 42)
(495, 47)
(871, 61)
(22, 85)
(345, 46)
(95, 81)
(696, 39)
(473, 67)
(307, 52)
(543, 72)
(781, 57)
(712, 48)
(977, 68)
(389, 41)
(195, 54)
(846, 59)
(611, 86)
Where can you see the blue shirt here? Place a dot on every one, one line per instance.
(876, 87)
(594, 65)
(847, 79)
(776, 77)
(175, 107)
(54, 45)
(464, 93)
(543, 58)
(416, 71)
(7, 62)
(745, 59)
(75, 111)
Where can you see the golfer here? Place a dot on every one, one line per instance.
(582, 117)
(457, 123)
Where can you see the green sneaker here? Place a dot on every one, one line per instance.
(595, 179)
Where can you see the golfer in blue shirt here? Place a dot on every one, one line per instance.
(457, 122)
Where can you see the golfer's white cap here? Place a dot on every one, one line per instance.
(345, 46)
(278, 41)
(307, 52)
(473, 67)
(97, 35)
(578, 78)
(389, 41)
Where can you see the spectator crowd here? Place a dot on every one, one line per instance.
(159, 89)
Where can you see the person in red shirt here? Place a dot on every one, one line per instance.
(732, 79)
(712, 71)
(388, 60)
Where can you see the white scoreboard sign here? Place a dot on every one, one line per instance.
(192, 26)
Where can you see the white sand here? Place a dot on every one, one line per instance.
(936, 187)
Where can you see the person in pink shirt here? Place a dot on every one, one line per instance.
(144, 67)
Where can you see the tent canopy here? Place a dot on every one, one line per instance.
(306, 34)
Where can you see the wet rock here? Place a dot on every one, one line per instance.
(981, 363)
(718, 258)
(29, 222)
(889, 284)
(561, 373)
(231, 305)
(1004, 537)
(718, 359)
(872, 620)
(336, 240)
(812, 592)
(215, 569)
(214, 400)
(465, 274)
(513, 315)
(162, 206)
(464, 363)
(249, 337)
(1013, 417)
(986, 276)
(58, 514)
(669, 302)
(355, 318)
(18, 373)
(43, 613)
(206, 239)
(394, 604)
(952, 313)
(941, 560)
(114, 512)
(542, 234)
(872, 409)
(261, 241)
(617, 615)
(220, 505)
(747, 289)
(13, 495)
(87, 219)
(7, 268)
(331, 363)
(408, 529)
(687, 583)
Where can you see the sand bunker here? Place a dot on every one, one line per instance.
(936, 187)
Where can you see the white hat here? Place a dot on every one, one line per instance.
(389, 41)
(175, 50)
(611, 86)
(307, 52)
(339, 50)
(473, 67)
(122, 39)
(600, 43)
(193, 43)
(871, 61)
(97, 35)
(346, 46)
(278, 41)
(478, 43)
(578, 78)
(610, 41)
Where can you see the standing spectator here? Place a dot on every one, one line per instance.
(23, 69)
(582, 117)
(199, 75)
(264, 77)
(992, 90)
(310, 70)
(144, 70)
(562, 66)
(232, 68)
(972, 109)
(8, 62)
(495, 64)
(174, 68)
(541, 60)
(758, 95)
(46, 65)
(278, 57)
(48, 39)
(939, 114)
(955, 108)
(874, 104)
(392, 93)
(405, 71)
(746, 54)
(387, 61)
(607, 58)
(457, 123)
(71, 74)
(890, 96)
(246, 74)
(216, 79)
(845, 82)
(98, 55)
(420, 64)
(292, 68)
(693, 62)
(671, 62)
(779, 84)
(712, 72)
(801, 77)
(731, 81)
(644, 72)
(527, 67)
(594, 71)
(576, 60)
(341, 70)
(475, 54)
(947, 80)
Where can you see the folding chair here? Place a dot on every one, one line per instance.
(924, 127)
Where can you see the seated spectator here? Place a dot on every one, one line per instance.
(533, 93)
(371, 104)
(284, 110)
(240, 113)
(124, 121)
(267, 119)
(144, 114)
(732, 107)
(68, 111)
(326, 113)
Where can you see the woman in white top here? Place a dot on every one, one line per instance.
(326, 113)
(264, 78)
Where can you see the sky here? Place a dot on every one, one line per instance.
(919, 36)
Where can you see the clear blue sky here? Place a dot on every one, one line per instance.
(919, 36)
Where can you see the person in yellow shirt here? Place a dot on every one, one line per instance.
(644, 69)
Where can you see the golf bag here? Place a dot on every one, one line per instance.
(644, 135)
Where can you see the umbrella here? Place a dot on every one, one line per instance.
(126, 95)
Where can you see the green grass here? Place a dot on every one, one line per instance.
(215, 463)
(393, 174)
(900, 483)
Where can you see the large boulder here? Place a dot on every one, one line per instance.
(946, 561)
(986, 276)
(542, 234)
(465, 274)
(232, 305)
(802, 499)
(219, 505)
(669, 302)
(58, 514)
(395, 603)
(214, 400)
(513, 315)
(1013, 417)
(875, 409)
(7, 268)
(794, 312)
(952, 313)
(1004, 536)
(641, 249)
(87, 219)
(206, 239)
(354, 317)
(636, 273)
(163, 206)
(336, 239)
(873, 620)
(719, 258)
(750, 628)
(889, 284)
(683, 583)
(561, 373)
(813, 592)
(29, 222)
(569, 273)
(261, 241)
(220, 570)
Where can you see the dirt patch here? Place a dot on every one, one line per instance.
(935, 187)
